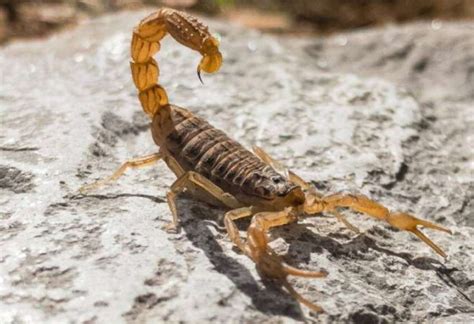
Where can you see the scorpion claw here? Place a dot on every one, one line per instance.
(301, 299)
(410, 223)
(304, 273)
(270, 265)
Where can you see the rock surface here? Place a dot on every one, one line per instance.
(69, 115)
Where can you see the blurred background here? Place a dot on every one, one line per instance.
(33, 18)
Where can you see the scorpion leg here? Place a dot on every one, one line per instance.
(256, 247)
(343, 220)
(191, 180)
(133, 163)
(232, 229)
(173, 165)
(362, 204)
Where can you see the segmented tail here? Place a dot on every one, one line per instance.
(184, 28)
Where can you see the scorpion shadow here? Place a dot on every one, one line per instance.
(271, 299)
(303, 241)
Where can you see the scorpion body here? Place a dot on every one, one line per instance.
(199, 147)
(219, 170)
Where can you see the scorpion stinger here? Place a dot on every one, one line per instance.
(199, 76)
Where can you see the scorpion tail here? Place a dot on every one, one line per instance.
(146, 38)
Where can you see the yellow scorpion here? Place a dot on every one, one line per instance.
(220, 171)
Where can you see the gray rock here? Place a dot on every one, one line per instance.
(15, 180)
(70, 115)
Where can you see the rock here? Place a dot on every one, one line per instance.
(15, 180)
(435, 62)
(418, 56)
(70, 115)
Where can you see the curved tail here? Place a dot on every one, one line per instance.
(184, 28)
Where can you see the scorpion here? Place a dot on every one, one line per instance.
(220, 171)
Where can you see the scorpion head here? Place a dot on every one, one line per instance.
(276, 187)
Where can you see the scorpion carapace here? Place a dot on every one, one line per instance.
(218, 170)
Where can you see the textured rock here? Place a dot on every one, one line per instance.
(70, 115)
(435, 62)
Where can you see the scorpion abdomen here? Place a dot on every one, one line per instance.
(198, 146)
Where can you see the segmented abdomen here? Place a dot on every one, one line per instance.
(198, 146)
